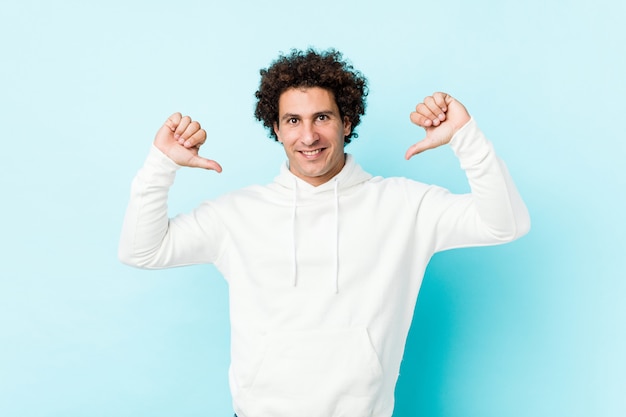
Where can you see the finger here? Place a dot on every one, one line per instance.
(419, 147)
(421, 120)
(197, 139)
(173, 121)
(200, 162)
(435, 109)
(192, 129)
(182, 126)
(424, 110)
(441, 101)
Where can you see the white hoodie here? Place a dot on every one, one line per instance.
(322, 280)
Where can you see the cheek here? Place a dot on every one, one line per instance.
(285, 140)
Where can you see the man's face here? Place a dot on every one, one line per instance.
(312, 133)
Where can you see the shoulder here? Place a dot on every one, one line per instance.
(251, 196)
(395, 190)
(397, 183)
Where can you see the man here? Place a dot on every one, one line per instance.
(324, 264)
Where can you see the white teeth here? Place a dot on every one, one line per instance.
(311, 153)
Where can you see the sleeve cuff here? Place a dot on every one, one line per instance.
(158, 158)
(470, 144)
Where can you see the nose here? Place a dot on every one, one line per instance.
(309, 135)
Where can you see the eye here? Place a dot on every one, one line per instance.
(292, 120)
(322, 117)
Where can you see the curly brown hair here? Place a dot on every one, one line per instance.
(310, 68)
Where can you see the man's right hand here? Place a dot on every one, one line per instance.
(180, 139)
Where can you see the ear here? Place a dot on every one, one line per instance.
(347, 126)
(277, 132)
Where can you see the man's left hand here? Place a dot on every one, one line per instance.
(441, 116)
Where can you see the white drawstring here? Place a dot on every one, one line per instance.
(293, 233)
(336, 280)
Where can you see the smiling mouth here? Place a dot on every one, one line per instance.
(311, 153)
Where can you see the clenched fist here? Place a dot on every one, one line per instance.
(441, 116)
(180, 139)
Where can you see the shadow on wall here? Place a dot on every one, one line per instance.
(423, 370)
(471, 315)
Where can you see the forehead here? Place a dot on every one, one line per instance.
(304, 100)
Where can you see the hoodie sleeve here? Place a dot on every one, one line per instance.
(492, 213)
(149, 238)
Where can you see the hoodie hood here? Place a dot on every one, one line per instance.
(304, 193)
(351, 175)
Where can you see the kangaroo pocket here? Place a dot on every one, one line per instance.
(329, 373)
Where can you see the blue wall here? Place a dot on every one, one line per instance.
(534, 328)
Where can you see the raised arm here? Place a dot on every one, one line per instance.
(493, 212)
(149, 238)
